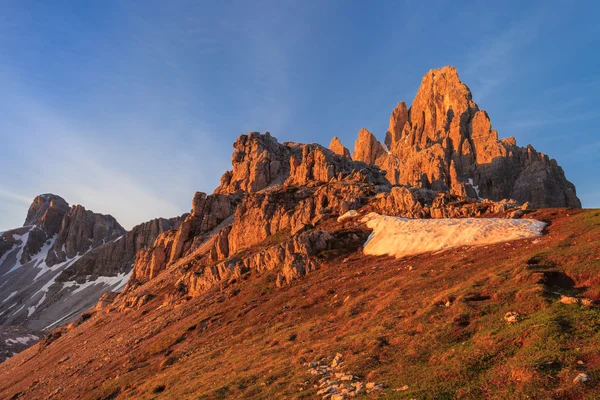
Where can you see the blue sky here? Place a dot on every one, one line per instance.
(129, 107)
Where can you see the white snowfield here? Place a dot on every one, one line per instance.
(400, 237)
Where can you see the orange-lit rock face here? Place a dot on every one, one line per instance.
(446, 143)
(338, 148)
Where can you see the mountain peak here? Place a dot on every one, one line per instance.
(446, 143)
(47, 210)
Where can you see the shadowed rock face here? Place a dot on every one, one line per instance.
(82, 230)
(446, 143)
(117, 256)
(47, 211)
(45, 217)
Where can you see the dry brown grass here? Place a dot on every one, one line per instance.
(250, 339)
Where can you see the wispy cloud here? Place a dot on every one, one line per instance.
(495, 56)
(545, 119)
(11, 196)
(140, 174)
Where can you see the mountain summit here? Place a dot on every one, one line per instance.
(446, 143)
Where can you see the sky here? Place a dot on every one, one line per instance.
(129, 107)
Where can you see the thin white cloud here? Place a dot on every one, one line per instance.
(9, 195)
(142, 174)
(495, 58)
(534, 121)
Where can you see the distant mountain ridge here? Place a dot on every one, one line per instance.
(63, 259)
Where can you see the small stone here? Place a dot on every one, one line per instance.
(62, 360)
(370, 385)
(337, 360)
(569, 300)
(512, 317)
(587, 302)
(326, 390)
(448, 303)
(581, 378)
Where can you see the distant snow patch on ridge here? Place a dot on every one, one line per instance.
(23, 238)
(115, 283)
(401, 237)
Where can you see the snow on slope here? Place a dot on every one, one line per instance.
(401, 237)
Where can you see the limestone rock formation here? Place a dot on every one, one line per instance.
(425, 203)
(44, 219)
(368, 149)
(273, 198)
(258, 161)
(338, 148)
(208, 212)
(117, 256)
(398, 120)
(270, 217)
(47, 211)
(445, 142)
(80, 231)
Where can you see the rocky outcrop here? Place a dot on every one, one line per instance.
(338, 148)
(263, 211)
(82, 230)
(117, 256)
(45, 217)
(208, 212)
(446, 143)
(398, 120)
(369, 150)
(47, 211)
(291, 259)
(425, 203)
(258, 161)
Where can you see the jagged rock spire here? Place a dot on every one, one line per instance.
(446, 143)
(337, 147)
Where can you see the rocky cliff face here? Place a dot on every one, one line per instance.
(82, 230)
(272, 214)
(44, 219)
(446, 143)
(116, 257)
(338, 148)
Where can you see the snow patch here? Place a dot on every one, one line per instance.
(23, 238)
(476, 187)
(116, 283)
(9, 296)
(22, 340)
(401, 237)
(385, 148)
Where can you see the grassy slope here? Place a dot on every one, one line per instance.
(386, 316)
